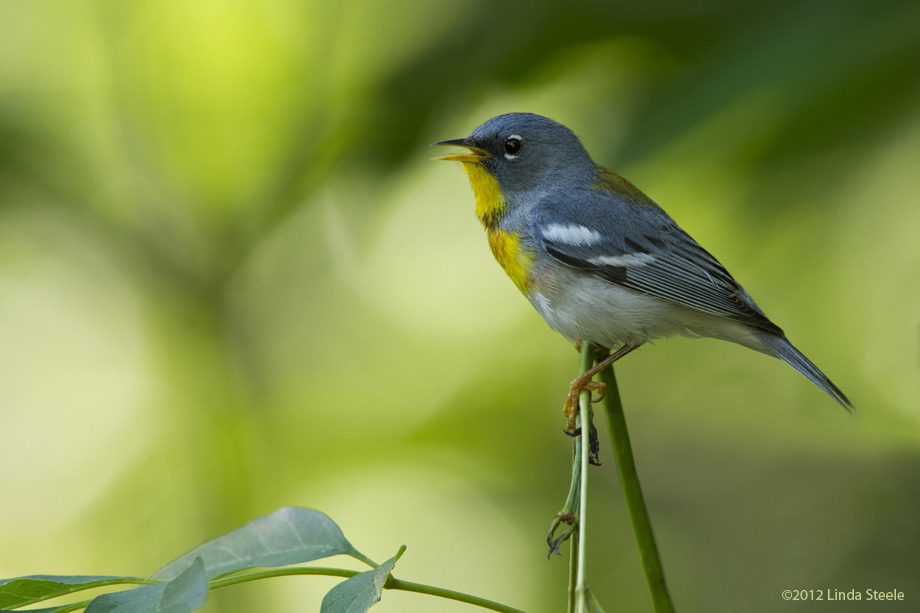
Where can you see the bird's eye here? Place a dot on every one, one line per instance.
(513, 146)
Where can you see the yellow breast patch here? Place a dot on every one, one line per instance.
(490, 208)
(517, 262)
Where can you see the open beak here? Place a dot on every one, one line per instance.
(474, 156)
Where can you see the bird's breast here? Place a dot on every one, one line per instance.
(513, 257)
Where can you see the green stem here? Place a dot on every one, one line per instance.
(584, 447)
(74, 606)
(575, 547)
(281, 572)
(576, 501)
(632, 492)
(82, 604)
(363, 558)
(391, 584)
(408, 586)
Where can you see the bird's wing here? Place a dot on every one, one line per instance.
(638, 246)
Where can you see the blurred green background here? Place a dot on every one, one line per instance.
(231, 280)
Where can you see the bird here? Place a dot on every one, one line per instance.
(599, 260)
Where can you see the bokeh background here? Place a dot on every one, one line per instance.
(231, 280)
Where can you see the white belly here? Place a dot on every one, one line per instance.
(582, 307)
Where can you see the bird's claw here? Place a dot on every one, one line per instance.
(570, 408)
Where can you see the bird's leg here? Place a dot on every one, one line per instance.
(584, 382)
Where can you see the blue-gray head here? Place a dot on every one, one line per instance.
(523, 152)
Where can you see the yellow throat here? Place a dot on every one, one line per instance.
(490, 204)
(490, 208)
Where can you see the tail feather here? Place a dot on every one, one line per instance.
(783, 349)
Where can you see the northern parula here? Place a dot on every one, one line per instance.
(597, 258)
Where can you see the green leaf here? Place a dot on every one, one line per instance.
(187, 592)
(23, 591)
(290, 535)
(144, 598)
(361, 592)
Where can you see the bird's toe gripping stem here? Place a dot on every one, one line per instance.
(570, 409)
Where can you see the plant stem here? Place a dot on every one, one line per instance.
(391, 584)
(576, 500)
(74, 606)
(281, 572)
(408, 586)
(632, 492)
(584, 447)
(575, 546)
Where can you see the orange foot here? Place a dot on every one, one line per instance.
(570, 408)
(584, 382)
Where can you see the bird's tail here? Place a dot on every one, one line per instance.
(780, 347)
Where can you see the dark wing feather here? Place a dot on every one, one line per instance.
(639, 246)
